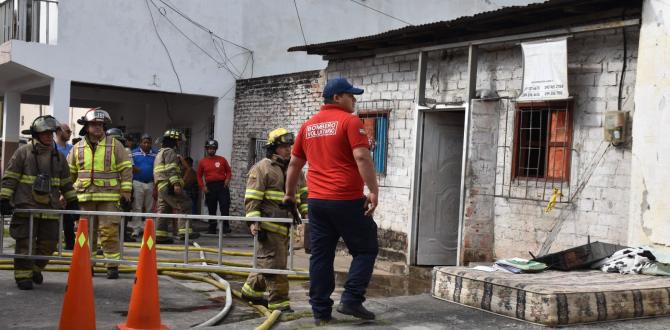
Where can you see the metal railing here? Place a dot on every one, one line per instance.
(29, 20)
(156, 216)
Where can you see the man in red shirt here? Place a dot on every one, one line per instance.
(335, 145)
(217, 175)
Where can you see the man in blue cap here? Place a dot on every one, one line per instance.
(335, 145)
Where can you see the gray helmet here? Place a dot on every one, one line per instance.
(42, 124)
(146, 136)
(116, 133)
(211, 143)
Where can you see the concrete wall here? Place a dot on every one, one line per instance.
(649, 210)
(115, 43)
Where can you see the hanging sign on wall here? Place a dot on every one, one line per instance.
(545, 70)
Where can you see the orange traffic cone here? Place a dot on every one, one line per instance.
(78, 307)
(144, 310)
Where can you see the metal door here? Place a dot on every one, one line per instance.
(439, 190)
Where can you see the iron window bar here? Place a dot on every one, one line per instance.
(534, 142)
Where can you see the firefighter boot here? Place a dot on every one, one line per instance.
(38, 278)
(26, 284)
(113, 273)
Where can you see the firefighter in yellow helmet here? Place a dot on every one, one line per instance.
(263, 198)
(102, 174)
(169, 181)
(35, 178)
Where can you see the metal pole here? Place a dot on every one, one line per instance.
(30, 235)
(290, 247)
(122, 238)
(2, 237)
(90, 235)
(220, 245)
(188, 225)
(61, 235)
(253, 262)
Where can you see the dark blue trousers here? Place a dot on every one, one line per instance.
(329, 220)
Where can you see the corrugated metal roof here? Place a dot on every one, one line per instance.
(535, 17)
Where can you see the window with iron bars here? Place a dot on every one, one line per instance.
(375, 118)
(256, 151)
(539, 156)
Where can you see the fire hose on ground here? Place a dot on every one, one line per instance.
(184, 273)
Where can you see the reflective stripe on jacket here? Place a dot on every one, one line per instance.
(100, 173)
(265, 193)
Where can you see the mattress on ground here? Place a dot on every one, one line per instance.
(553, 297)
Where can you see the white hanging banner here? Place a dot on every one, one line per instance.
(545, 70)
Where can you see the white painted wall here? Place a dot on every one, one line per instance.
(649, 209)
(115, 43)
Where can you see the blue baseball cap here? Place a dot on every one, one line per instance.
(340, 85)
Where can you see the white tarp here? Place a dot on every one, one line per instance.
(545, 70)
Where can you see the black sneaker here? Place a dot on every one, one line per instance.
(38, 278)
(357, 311)
(226, 229)
(112, 273)
(212, 229)
(25, 284)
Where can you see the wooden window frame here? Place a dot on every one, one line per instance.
(565, 145)
(363, 114)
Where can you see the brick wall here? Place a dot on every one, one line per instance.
(263, 104)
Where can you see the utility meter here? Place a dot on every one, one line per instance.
(615, 126)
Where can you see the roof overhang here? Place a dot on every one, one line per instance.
(549, 15)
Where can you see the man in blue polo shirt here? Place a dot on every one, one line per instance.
(143, 181)
(63, 134)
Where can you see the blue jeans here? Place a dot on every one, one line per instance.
(329, 220)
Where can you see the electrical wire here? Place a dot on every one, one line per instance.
(167, 51)
(225, 61)
(202, 27)
(220, 64)
(623, 67)
(300, 22)
(381, 12)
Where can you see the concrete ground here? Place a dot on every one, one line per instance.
(399, 301)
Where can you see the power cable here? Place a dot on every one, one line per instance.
(202, 27)
(623, 66)
(223, 64)
(300, 22)
(167, 51)
(381, 12)
(225, 61)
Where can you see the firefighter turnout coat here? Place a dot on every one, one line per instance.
(100, 174)
(167, 174)
(27, 163)
(262, 198)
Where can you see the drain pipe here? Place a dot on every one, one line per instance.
(229, 296)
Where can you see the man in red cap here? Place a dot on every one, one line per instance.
(335, 145)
